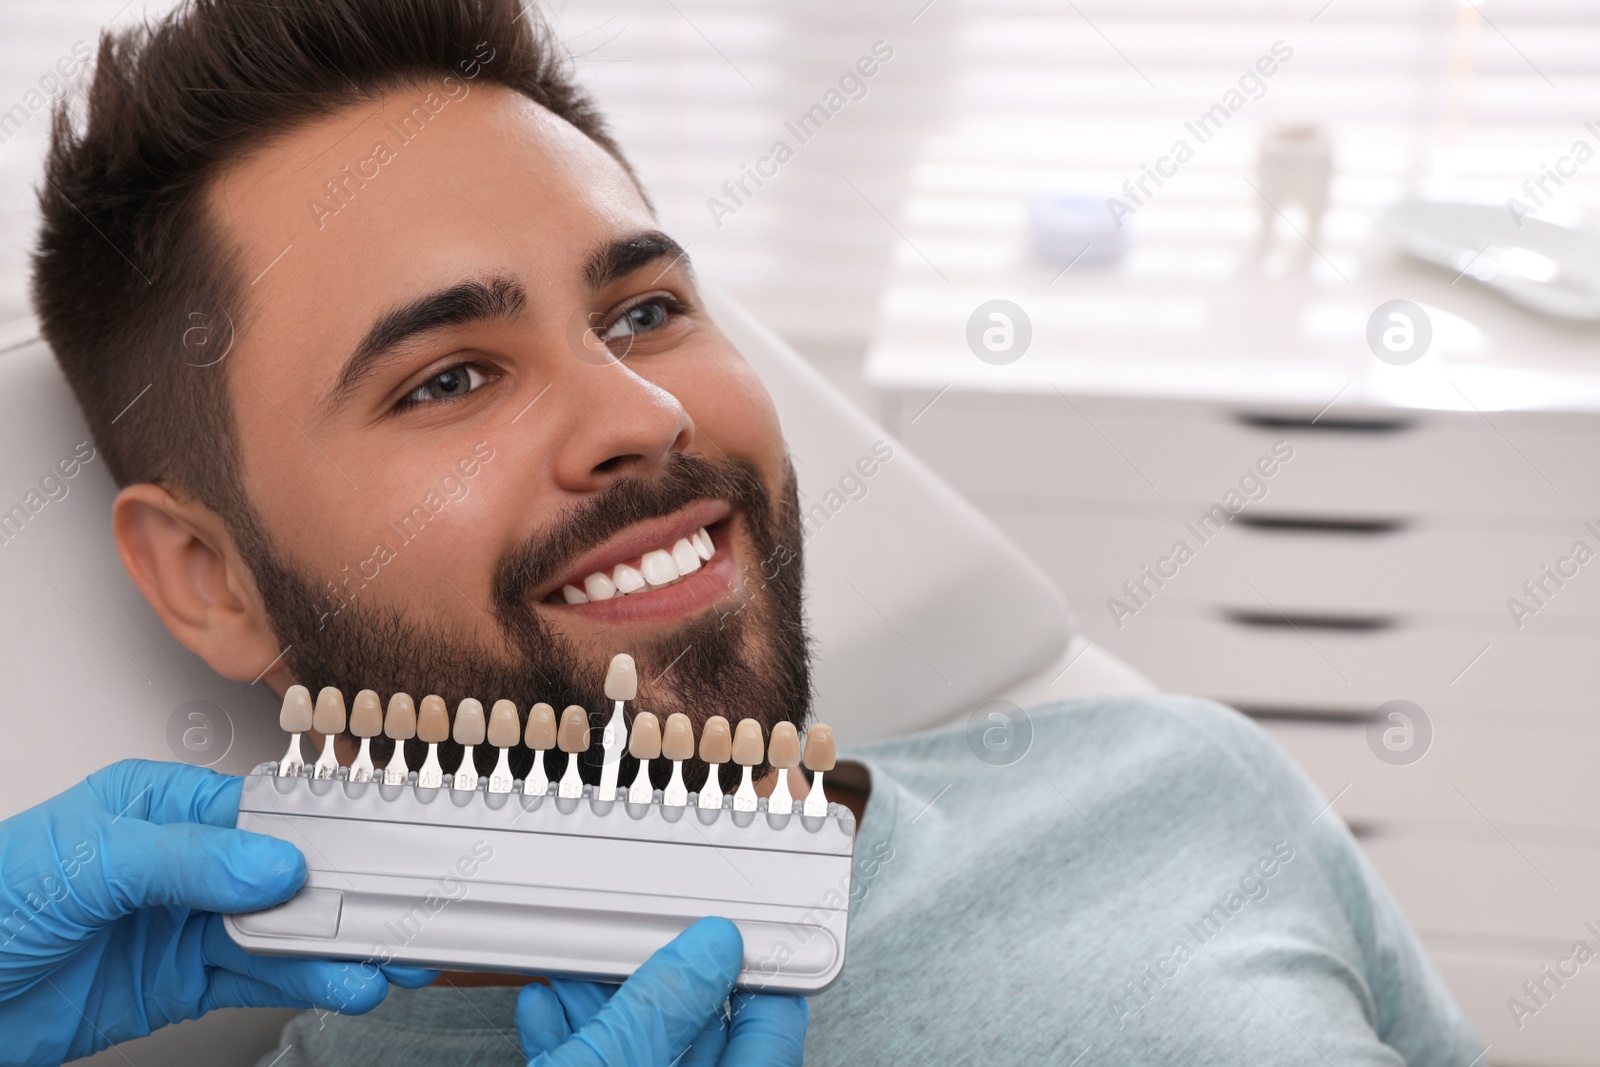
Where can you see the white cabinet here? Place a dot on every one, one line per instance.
(1376, 562)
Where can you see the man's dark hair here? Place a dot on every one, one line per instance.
(130, 274)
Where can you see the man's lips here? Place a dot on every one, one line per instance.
(643, 555)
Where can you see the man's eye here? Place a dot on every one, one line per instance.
(456, 382)
(641, 318)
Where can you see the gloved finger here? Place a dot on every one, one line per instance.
(767, 1030)
(166, 793)
(541, 1020)
(707, 1047)
(654, 1016)
(229, 989)
(582, 999)
(206, 868)
(338, 985)
(408, 977)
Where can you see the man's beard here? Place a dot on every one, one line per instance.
(747, 660)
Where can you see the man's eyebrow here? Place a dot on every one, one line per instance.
(625, 255)
(496, 297)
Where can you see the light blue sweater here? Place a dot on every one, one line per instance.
(1154, 882)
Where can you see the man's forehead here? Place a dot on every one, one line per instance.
(348, 213)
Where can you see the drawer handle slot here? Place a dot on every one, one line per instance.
(1346, 424)
(1309, 524)
(1310, 621)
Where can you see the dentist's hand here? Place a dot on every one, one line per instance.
(672, 1003)
(109, 924)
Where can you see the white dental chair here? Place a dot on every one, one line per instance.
(920, 609)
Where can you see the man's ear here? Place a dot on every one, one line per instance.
(179, 554)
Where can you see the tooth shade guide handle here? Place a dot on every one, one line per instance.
(821, 754)
(505, 730)
(572, 738)
(783, 752)
(468, 731)
(716, 748)
(541, 738)
(644, 744)
(747, 752)
(677, 745)
(622, 684)
(400, 726)
(366, 722)
(433, 726)
(294, 719)
(328, 719)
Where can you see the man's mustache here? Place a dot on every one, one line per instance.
(686, 480)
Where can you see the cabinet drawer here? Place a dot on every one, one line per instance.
(1438, 463)
(1534, 681)
(1411, 572)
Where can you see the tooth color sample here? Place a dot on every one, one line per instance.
(628, 580)
(622, 678)
(678, 741)
(366, 714)
(820, 750)
(295, 718)
(658, 567)
(645, 740)
(328, 717)
(541, 734)
(504, 729)
(716, 740)
(747, 743)
(400, 722)
(784, 748)
(468, 729)
(574, 735)
(433, 720)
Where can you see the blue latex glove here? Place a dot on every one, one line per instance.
(671, 1003)
(109, 895)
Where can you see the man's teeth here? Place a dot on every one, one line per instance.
(657, 568)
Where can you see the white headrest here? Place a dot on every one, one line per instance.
(919, 607)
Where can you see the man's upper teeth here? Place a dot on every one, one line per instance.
(659, 567)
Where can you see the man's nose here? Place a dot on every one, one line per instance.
(619, 424)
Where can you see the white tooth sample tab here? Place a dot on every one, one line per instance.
(622, 684)
(599, 586)
(628, 579)
(658, 567)
(684, 557)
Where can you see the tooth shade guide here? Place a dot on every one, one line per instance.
(747, 752)
(366, 722)
(433, 726)
(572, 738)
(294, 718)
(783, 752)
(644, 744)
(468, 732)
(716, 748)
(400, 725)
(328, 719)
(541, 738)
(820, 756)
(677, 745)
(504, 731)
(622, 684)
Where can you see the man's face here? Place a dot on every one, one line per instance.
(471, 375)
